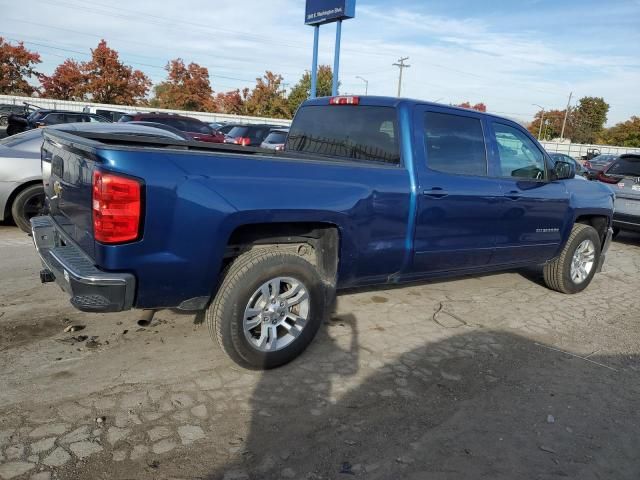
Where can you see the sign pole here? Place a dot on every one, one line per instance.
(314, 63)
(336, 59)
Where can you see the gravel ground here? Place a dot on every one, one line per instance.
(490, 377)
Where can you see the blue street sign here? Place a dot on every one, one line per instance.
(319, 12)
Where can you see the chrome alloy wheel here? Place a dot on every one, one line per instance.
(583, 261)
(276, 314)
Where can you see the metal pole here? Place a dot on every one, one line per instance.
(314, 63)
(366, 84)
(336, 59)
(541, 121)
(566, 114)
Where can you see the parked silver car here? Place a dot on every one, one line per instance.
(21, 190)
(624, 177)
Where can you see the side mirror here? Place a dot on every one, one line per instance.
(564, 170)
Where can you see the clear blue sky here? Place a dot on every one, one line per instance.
(504, 53)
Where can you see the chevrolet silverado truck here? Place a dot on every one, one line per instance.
(368, 191)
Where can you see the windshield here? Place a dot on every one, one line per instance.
(236, 132)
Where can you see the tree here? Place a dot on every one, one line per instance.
(624, 134)
(267, 98)
(67, 82)
(552, 125)
(481, 107)
(17, 64)
(186, 88)
(588, 119)
(302, 89)
(108, 80)
(231, 102)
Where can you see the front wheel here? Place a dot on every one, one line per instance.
(268, 308)
(576, 266)
(27, 204)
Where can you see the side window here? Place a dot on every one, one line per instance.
(54, 118)
(519, 156)
(455, 144)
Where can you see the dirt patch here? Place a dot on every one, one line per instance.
(16, 334)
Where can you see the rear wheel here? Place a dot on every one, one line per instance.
(4, 121)
(27, 204)
(576, 266)
(268, 308)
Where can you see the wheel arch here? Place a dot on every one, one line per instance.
(598, 221)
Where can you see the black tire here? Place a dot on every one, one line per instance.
(557, 273)
(27, 204)
(239, 282)
(4, 121)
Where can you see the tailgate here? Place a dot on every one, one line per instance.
(68, 163)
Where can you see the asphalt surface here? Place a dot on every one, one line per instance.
(490, 377)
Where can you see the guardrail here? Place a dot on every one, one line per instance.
(577, 150)
(92, 107)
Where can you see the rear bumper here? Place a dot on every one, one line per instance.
(91, 289)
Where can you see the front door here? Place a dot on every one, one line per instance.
(534, 209)
(458, 203)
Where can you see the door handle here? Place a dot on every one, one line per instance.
(513, 195)
(435, 192)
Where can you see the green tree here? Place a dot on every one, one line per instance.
(587, 120)
(267, 98)
(302, 89)
(624, 134)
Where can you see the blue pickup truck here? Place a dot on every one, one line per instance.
(368, 191)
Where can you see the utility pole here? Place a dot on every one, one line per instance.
(566, 114)
(366, 84)
(541, 119)
(401, 65)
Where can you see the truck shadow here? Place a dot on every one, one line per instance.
(481, 404)
(628, 238)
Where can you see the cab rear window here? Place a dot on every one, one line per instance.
(360, 133)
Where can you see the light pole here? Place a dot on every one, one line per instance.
(541, 118)
(366, 84)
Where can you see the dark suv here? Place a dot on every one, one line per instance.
(194, 128)
(45, 117)
(249, 135)
(7, 109)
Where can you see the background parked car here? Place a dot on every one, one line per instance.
(276, 139)
(162, 126)
(624, 176)
(227, 127)
(580, 170)
(194, 128)
(7, 109)
(21, 189)
(46, 117)
(249, 135)
(598, 164)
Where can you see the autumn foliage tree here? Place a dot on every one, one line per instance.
(186, 88)
(552, 126)
(17, 64)
(267, 99)
(481, 107)
(624, 134)
(231, 102)
(103, 79)
(66, 83)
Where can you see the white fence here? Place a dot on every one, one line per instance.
(577, 150)
(92, 107)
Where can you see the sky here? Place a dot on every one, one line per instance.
(509, 55)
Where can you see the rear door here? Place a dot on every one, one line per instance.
(458, 203)
(626, 172)
(534, 209)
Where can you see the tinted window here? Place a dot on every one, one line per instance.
(355, 132)
(519, 156)
(126, 118)
(54, 118)
(455, 144)
(236, 132)
(625, 167)
(199, 127)
(276, 137)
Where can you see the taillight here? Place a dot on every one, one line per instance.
(116, 208)
(587, 164)
(603, 177)
(244, 141)
(345, 100)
